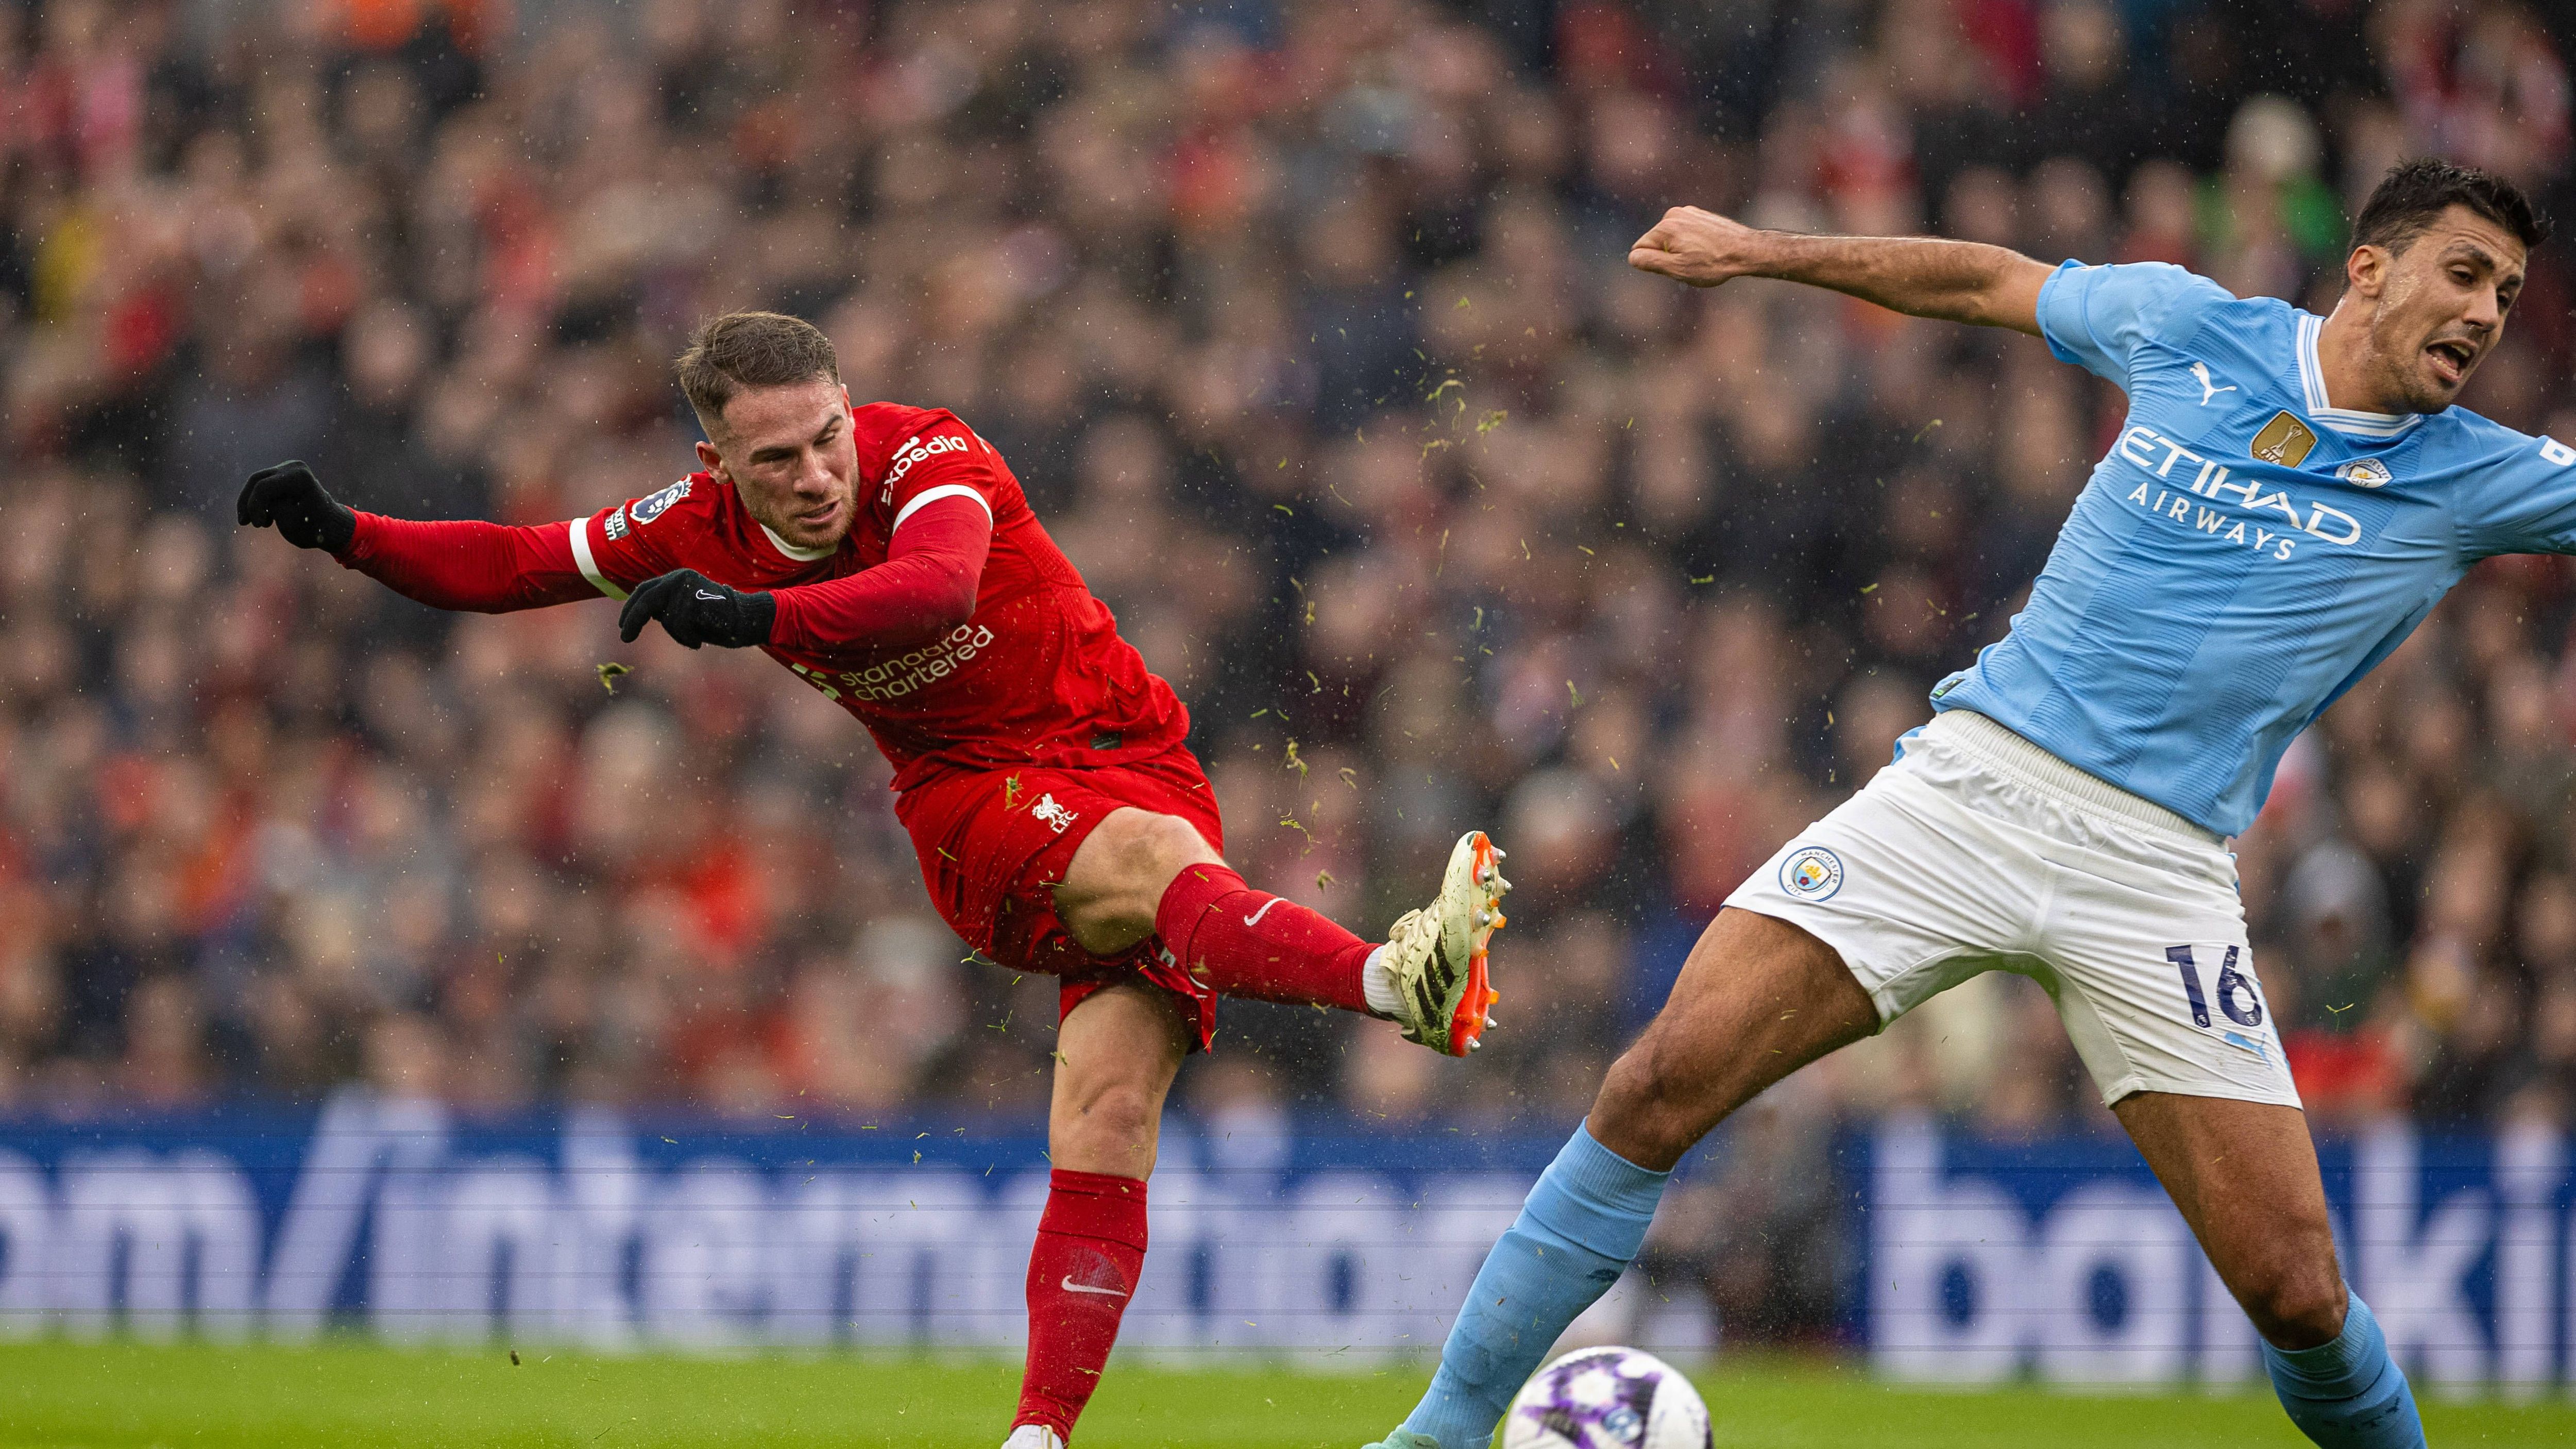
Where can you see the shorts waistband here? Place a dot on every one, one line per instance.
(2036, 768)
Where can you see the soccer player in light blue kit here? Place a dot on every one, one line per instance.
(2288, 499)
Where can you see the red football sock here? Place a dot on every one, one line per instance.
(1253, 944)
(1091, 1243)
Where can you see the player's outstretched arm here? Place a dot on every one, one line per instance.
(467, 564)
(1951, 281)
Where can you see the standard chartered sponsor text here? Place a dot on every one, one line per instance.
(894, 678)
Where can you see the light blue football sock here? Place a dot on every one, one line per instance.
(2348, 1394)
(1581, 1227)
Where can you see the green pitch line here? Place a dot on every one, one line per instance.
(61, 1395)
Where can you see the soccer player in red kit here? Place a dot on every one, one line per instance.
(886, 555)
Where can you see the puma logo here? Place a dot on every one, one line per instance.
(1255, 918)
(2208, 387)
(1070, 1286)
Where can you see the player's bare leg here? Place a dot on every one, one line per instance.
(1114, 887)
(1116, 1055)
(1758, 999)
(1140, 873)
(2244, 1175)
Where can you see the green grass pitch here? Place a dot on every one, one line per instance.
(65, 1395)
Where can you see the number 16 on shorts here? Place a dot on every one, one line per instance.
(2234, 993)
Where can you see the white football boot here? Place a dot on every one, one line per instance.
(1406, 1439)
(1435, 957)
(1033, 1436)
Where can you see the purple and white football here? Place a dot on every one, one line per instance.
(1607, 1398)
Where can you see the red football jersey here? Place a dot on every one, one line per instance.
(1038, 674)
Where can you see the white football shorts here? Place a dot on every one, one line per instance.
(1979, 851)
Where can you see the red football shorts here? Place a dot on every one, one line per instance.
(993, 843)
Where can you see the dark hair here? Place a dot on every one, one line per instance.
(751, 349)
(2415, 193)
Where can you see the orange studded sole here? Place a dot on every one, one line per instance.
(1467, 1024)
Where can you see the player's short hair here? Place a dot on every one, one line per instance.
(751, 349)
(2414, 194)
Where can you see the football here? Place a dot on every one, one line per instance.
(1607, 1398)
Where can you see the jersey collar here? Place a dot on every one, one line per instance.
(786, 550)
(2350, 422)
(800, 555)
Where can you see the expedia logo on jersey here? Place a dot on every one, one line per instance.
(616, 525)
(903, 674)
(913, 452)
(653, 506)
(2176, 492)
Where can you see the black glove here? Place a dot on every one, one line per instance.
(289, 496)
(698, 610)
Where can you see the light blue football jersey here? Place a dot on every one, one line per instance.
(2245, 552)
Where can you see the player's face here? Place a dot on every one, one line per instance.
(2441, 306)
(790, 457)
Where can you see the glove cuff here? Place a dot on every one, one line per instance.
(760, 613)
(336, 529)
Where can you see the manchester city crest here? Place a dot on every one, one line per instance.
(1812, 873)
(2365, 473)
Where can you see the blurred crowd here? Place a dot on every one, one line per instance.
(1308, 329)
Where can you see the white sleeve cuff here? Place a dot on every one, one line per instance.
(589, 566)
(933, 495)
